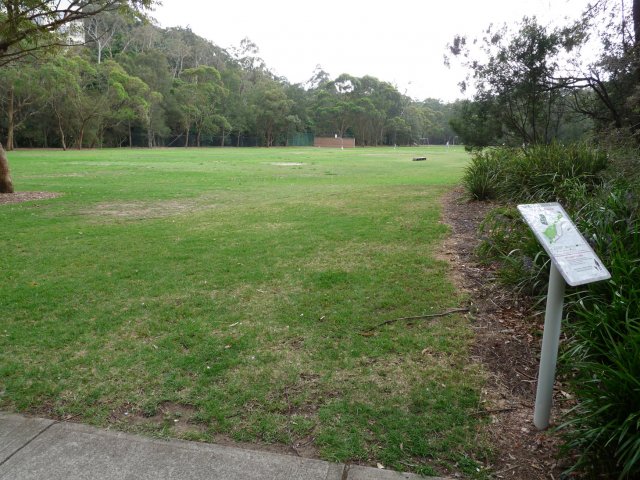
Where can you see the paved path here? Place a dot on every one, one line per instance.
(40, 449)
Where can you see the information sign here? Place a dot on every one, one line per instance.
(572, 261)
(575, 259)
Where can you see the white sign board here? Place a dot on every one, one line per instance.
(568, 249)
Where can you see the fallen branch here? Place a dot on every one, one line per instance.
(491, 412)
(420, 317)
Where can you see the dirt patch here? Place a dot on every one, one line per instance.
(507, 344)
(145, 210)
(19, 197)
(179, 418)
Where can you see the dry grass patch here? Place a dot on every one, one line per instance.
(144, 210)
(19, 197)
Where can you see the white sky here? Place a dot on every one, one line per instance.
(401, 42)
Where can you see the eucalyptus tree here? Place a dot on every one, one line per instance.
(152, 68)
(272, 110)
(614, 77)
(128, 100)
(76, 99)
(199, 93)
(517, 75)
(21, 97)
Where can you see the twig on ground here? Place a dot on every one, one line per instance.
(420, 317)
(525, 374)
(505, 470)
(498, 410)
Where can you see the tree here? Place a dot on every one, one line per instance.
(21, 97)
(199, 92)
(477, 123)
(614, 78)
(272, 108)
(101, 30)
(128, 99)
(31, 26)
(517, 77)
(79, 101)
(152, 68)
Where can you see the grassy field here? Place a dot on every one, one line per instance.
(235, 294)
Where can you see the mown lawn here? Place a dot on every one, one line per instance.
(222, 294)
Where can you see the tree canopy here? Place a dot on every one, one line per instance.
(533, 82)
(29, 26)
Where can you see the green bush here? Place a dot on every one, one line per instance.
(604, 344)
(603, 351)
(481, 176)
(546, 173)
(534, 174)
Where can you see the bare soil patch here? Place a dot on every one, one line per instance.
(507, 344)
(19, 197)
(144, 210)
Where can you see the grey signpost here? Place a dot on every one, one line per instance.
(574, 262)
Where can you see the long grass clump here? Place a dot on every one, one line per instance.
(603, 348)
(533, 174)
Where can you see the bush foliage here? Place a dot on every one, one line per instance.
(603, 350)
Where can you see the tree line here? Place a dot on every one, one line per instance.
(132, 83)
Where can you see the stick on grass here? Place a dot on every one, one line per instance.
(420, 317)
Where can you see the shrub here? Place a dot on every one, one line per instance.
(546, 173)
(604, 346)
(481, 176)
(534, 174)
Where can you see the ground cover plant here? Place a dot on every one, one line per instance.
(601, 357)
(238, 294)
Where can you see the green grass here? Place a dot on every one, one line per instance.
(225, 290)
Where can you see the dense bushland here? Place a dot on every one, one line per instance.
(601, 192)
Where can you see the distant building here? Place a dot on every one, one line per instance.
(334, 142)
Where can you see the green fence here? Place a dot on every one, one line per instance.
(300, 139)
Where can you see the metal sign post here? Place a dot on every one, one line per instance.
(549, 353)
(572, 261)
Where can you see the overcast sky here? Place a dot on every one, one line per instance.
(401, 41)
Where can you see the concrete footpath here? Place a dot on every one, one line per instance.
(36, 448)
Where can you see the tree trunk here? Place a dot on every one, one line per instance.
(62, 138)
(10, 122)
(6, 185)
(80, 138)
(149, 136)
(186, 137)
(222, 142)
(636, 21)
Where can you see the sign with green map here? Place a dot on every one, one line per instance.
(568, 249)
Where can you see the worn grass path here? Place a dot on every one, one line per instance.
(222, 294)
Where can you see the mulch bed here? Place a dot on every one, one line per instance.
(507, 344)
(19, 197)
